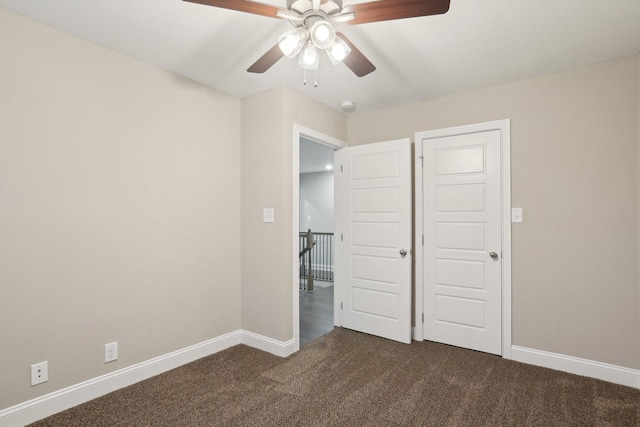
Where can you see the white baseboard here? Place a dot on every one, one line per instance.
(279, 348)
(49, 404)
(44, 406)
(574, 365)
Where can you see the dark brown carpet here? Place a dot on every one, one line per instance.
(350, 379)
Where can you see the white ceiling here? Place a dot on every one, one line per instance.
(315, 157)
(475, 44)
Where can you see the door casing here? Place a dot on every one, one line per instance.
(504, 127)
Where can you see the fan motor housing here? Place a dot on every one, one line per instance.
(330, 7)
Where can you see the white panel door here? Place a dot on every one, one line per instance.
(463, 240)
(374, 237)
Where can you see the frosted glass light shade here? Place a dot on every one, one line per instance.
(322, 34)
(338, 50)
(292, 42)
(309, 57)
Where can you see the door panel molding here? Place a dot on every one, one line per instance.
(504, 127)
(372, 287)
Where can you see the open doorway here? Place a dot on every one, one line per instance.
(315, 292)
(313, 234)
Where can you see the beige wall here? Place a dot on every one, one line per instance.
(119, 209)
(264, 281)
(267, 249)
(574, 143)
(131, 206)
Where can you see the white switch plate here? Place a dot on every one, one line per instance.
(268, 215)
(516, 215)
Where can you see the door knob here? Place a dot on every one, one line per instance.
(493, 255)
(403, 252)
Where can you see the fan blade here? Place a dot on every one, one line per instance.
(267, 60)
(242, 6)
(356, 61)
(386, 10)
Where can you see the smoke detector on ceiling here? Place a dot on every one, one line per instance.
(348, 106)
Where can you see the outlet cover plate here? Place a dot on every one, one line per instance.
(39, 373)
(110, 352)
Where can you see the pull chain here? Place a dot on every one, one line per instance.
(315, 77)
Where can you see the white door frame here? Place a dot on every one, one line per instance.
(320, 138)
(504, 126)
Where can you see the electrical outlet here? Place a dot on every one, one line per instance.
(39, 373)
(110, 352)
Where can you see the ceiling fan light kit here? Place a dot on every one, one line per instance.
(322, 33)
(314, 31)
(314, 24)
(338, 50)
(295, 41)
(309, 58)
(292, 42)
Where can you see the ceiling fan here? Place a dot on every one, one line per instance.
(314, 24)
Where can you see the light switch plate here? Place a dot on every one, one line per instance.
(268, 215)
(516, 215)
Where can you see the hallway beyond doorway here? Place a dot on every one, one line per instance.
(316, 311)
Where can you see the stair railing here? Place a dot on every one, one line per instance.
(316, 258)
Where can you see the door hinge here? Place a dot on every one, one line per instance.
(421, 161)
(341, 306)
(423, 240)
(422, 317)
(341, 168)
(341, 237)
